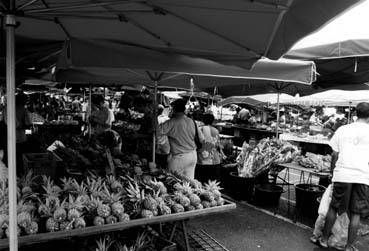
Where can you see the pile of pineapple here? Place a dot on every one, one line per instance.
(96, 201)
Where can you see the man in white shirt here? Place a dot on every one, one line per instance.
(350, 165)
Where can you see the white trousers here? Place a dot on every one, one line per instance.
(183, 163)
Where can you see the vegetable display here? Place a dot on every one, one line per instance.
(254, 160)
(321, 163)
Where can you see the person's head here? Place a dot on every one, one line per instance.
(362, 111)
(97, 100)
(208, 119)
(179, 106)
(160, 109)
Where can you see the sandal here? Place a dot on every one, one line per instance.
(323, 244)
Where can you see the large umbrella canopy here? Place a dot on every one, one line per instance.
(331, 98)
(109, 63)
(223, 31)
(241, 100)
(338, 64)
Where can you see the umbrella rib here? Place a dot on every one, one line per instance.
(133, 22)
(79, 6)
(57, 21)
(25, 5)
(205, 29)
(276, 27)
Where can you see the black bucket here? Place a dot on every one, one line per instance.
(306, 198)
(268, 194)
(242, 188)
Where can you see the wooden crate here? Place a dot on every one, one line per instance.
(42, 163)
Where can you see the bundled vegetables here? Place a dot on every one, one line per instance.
(321, 163)
(253, 161)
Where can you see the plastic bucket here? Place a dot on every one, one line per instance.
(306, 198)
(268, 194)
(241, 188)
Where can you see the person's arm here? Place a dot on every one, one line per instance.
(201, 134)
(334, 160)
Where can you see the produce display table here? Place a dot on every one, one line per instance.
(310, 139)
(176, 218)
(309, 172)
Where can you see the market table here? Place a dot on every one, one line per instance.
(310, 172)
(314, 144)
(176, 218)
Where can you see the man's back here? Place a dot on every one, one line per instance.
(352, 143)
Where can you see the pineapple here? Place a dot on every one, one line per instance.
(75, 208)
(206, 195)
(194, 199)
(206, 204)
(46, 209)
(220, 202)
(177, 208)
(200, 206)
(123, 217)
(7, 233)
(4, 219)
(65, 225)
(164, 210)
(80, 190)
(114, 199)
(52, 225)
(24, 219)
(158, 185)
(32, 228)
(181, 199)
(67, 184)
(94, 186)
(190, 208)
(51, 191)
(27, 183)
(60, 214)
(214, 188)
(79, 223)
(150, 203)
(213, 203)
(98, 221)
(146, 213)
(111, 219)
(114, 184)
(103, 210)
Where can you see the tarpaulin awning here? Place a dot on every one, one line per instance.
(106, 62)
(339, 64)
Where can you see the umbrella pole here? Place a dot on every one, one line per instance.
(349, 113)
(155, 116)
(89, 109)
(278, 116)
(11, 110)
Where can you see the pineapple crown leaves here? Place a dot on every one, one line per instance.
(66, 183)
(111, 197)
(213, 185)
(104, 244)
(75, 203)
(28, 179)
(23, 206)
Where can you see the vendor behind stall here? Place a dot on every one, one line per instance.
(100, 115)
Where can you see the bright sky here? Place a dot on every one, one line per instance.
(353, 24)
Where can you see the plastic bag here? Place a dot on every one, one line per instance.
(338, 238)
(322, 211)
(325, 201)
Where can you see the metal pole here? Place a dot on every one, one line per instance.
(89, 109)
(349, 113)
(155, 117)
(278, 117)
(12, 165)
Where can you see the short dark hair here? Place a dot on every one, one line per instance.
(208, 119)
(160, 109)
(362, 110)
(179, 105)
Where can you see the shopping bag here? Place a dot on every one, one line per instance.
(322, 211)
(338, 238)
(325, 201)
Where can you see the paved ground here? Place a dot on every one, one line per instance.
(249, 229)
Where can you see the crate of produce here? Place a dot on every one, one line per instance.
(42, 163)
